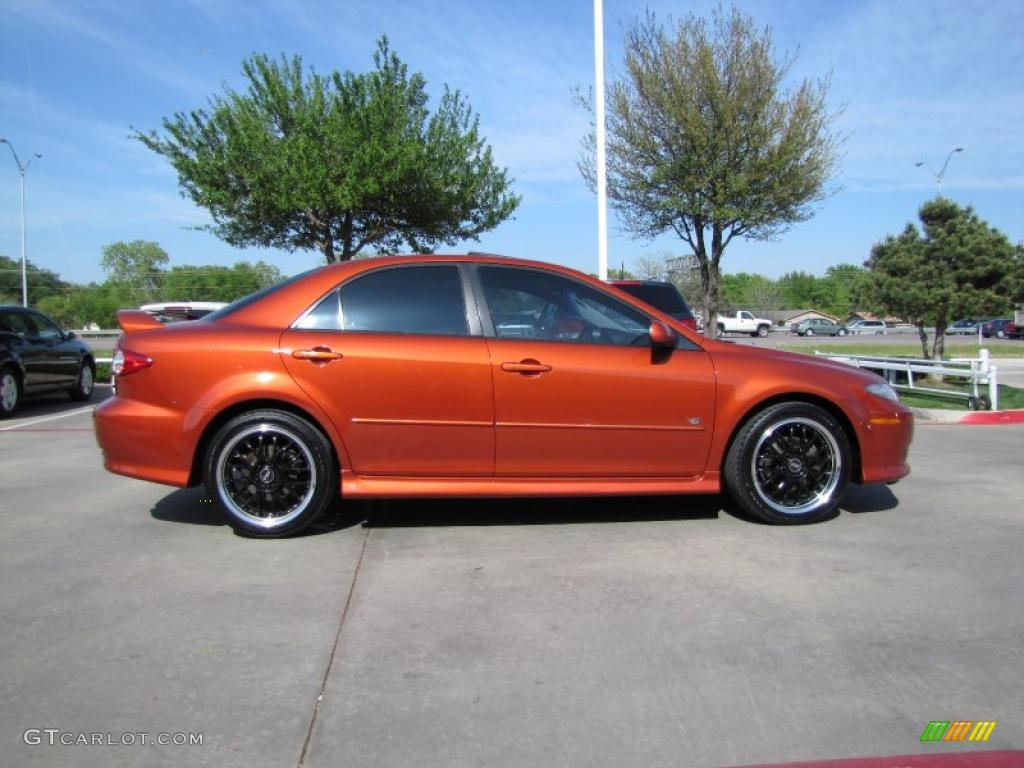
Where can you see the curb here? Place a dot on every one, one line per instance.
(989, 418)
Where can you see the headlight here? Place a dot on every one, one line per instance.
(881, 389)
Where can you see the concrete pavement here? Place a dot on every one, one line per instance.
(507, 633)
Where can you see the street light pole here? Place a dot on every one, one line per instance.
(599, 125)
(24, 228)
(942, 172)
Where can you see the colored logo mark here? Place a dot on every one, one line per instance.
(958, 730)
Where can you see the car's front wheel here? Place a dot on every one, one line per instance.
(809, 332)
(10, 391)
(789, 464)
(841, 332)
(270, 473)
(84, 384)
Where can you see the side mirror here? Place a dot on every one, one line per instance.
(662, 336)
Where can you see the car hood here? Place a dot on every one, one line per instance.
(801, 366)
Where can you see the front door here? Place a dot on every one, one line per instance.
(578, 389)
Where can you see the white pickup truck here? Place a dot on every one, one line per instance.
(743, 321)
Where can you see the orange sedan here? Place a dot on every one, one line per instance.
(481, 376)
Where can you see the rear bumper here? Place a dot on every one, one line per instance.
(146, 441)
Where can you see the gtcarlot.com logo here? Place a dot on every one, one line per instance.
(55, 737)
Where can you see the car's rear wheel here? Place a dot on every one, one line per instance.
(841, 332)
(1000, 334)
(789, 464)
(10, 391)
(270, 473)
(84, 384)
(762, 331)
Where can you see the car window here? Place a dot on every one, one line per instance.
(41, 328)
(14, 322)
(527, 303)
(417, 299)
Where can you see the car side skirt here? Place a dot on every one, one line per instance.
(381, 487)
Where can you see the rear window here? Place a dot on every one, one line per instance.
(662, 297)
(245, 301)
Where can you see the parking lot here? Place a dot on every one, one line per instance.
(584, 632)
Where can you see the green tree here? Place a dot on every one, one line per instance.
(743, 290)
(215, 282)
(41, 282)
(137, 267)
(955, 266)
(705, 141)
(337, 163)
(80, 305)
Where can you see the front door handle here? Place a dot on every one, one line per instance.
(526, 367)
(320, 355)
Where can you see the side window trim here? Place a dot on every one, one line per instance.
(683, 344)
(471, 309)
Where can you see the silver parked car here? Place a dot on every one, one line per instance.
(817, 326)
(876, 327)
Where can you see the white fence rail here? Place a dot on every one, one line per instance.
(977, 370)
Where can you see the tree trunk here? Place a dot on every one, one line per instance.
(924, 339)
(939, 344)
(328, 249)
(710, 277)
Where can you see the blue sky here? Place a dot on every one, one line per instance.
(914, 79)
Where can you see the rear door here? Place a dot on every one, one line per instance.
(59, 353)
(396, 358)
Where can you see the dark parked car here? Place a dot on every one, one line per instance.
(36, 357)
(997, 328)
(661, 295)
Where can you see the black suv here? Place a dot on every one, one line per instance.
(36, 357)
(662, 296)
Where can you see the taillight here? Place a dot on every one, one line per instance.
(126, 362)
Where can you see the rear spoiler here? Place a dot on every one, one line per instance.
(132, 320)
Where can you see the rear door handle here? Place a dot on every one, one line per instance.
(319, 355)
(526, 367)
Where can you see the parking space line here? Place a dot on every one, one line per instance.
(47, 418)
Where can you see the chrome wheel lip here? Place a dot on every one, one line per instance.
(8, 391)
(821, 497)
(222, 482)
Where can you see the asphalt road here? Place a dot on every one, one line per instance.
(609, 632)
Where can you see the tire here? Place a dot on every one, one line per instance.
(721, 329)
(85, 383)
(762, 331)
(841, 332)
(10, 391)
(809, 332)
(772, 469)
(1000, 334)
(270, 473)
